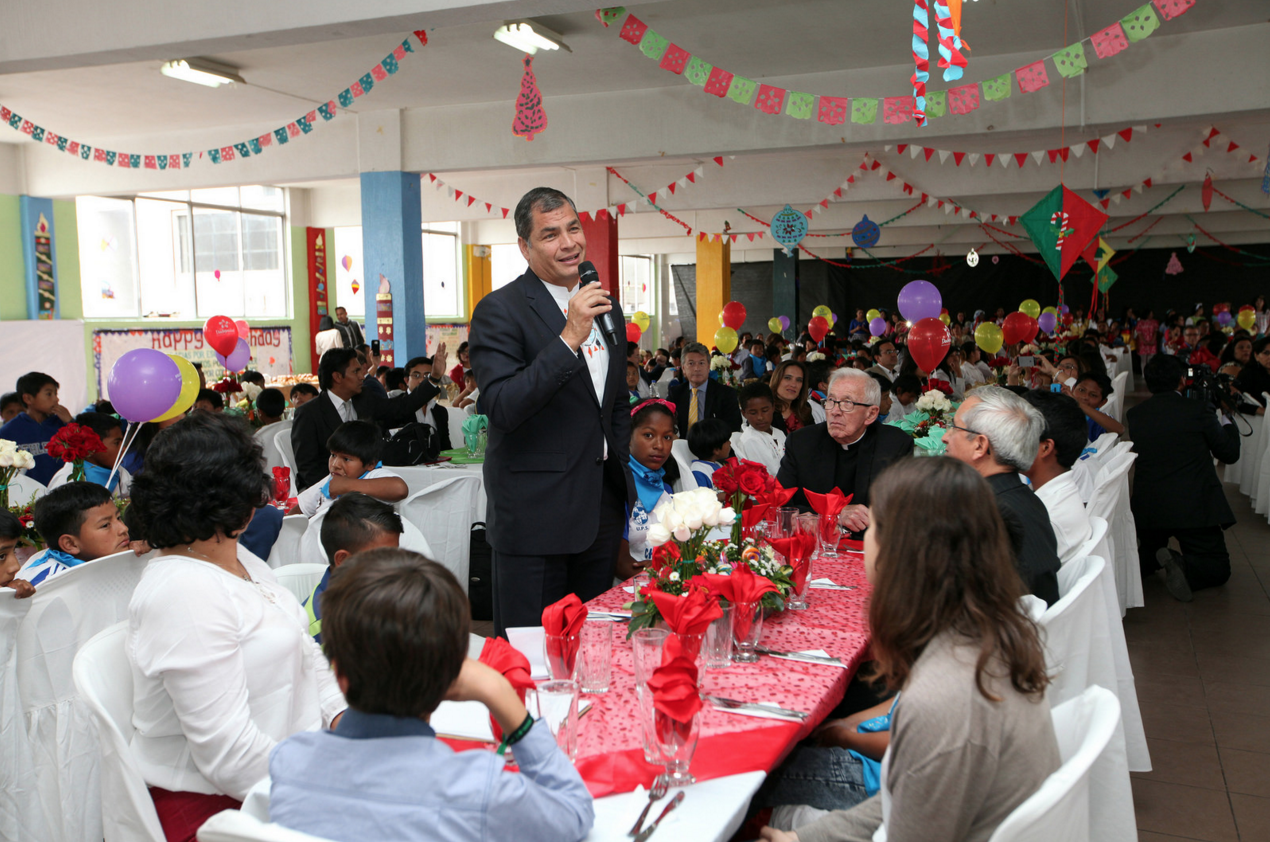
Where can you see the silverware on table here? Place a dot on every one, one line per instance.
(755, 707)
(831, 586)
(674, 802)
(657, 792)
(613, 616)
(801, 656)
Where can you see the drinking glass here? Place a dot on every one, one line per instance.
(675, 742)
(830, 536)
(595, 658)
(646, 645)
(747, 628)
(718, 647)
(556, 701)
(561, 653)
(806, 527)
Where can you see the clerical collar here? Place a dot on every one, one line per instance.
(849, 445)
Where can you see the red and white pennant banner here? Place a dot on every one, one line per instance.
(948, 206)
(1211, 138)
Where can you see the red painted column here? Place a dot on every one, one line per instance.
(319, 292)
(601, 246)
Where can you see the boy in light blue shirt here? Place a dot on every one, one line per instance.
(79, 522)
(395, 627)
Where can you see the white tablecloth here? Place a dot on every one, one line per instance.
(421, 476)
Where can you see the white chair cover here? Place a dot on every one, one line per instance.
(301, 578)
(286, 550)
(103, 678)
(237, 826)
(23, 489)
(50, 785)
(1095, 544)
(1085, 470)
(1085, 799)
(1110, 502)
(325, 340)
(454, 420)
(683, 458)
(443, 515)
(1258, 481)
(310, 549)
(282, 443)
(1261, 495)
(1119, 385)
(1246, 471)
(268, 439)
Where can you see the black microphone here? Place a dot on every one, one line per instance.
(587, 275)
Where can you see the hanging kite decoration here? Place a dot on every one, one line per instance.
(1061, 225)
(789, 227)
(1098, 255)
(866, 233)
(530, 119)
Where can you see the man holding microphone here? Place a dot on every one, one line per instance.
(549, 362)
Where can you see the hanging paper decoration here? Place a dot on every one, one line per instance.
(921, 59)
(1190, 243)
(1175, 265)
(530, 118)
(610, 15)
(951, 61)
(866, 233)
(973, 259)
(788, 227)
(1206, 193)
(347, 263)
(356, 286)
(1140, 23)
(45, 282)
(1061, 225)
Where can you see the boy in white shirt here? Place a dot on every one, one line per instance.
(354, 466)
(1062, 442)
(97, 465)
(906, 389)
(758, 440)
(79, 522)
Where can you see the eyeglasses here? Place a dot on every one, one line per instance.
(844, 405)
(953, 426)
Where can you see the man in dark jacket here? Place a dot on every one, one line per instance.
(698, 397)
(1176, 492)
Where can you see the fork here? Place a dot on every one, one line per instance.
(657, 792)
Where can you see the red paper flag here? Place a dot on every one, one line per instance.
(674, 59)
(770, 99)
(928, 152)
(958, 157)
(1109, 41)
(832, 110)
(1021, 158)
(1032, 77)
(1093, 145)
(718, 83)
(718, 159)
(422, 35)
(988, 158)
(964, 99)
(633, 30)
(1127, 134)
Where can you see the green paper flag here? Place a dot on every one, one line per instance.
(1071, 61)
(1061, 225)
(800, 105)
(936, 103)
(864, 110)
(653, 45)
(998, 88)
(1106, 278)
(742, 89)
(698, 71)
(1141, 23)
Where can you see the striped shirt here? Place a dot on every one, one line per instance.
(47, 563)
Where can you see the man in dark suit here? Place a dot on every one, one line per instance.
(998, 434)
(553, 386)
(433, 414)
(341, 374)
(846, 451)
(1176, 492)
(697, 397)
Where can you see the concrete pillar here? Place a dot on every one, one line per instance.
(392, 260)
(785, 285)
(714, 285)
(476, 268)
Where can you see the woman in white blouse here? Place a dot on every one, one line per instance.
(223, 667)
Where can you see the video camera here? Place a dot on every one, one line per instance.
(1213, 389)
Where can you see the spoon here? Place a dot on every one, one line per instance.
(658, 791)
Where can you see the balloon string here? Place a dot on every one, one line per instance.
(128, 439)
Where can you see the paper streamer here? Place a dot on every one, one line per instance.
(921, 59)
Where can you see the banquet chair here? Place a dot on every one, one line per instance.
(683, 458)
(1085, 470)
(1114, 406)
(1092, 546)
(23, 489)
(300, 578)
(103, 678)
(443, 513)
(1110, 501)
(282, 442)
(268, 439)
(310, 549)
(286, 550)
(1085, 799)
(1258, 486)
(237, 826)
(1119, 385)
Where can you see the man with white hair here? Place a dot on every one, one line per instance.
(998, 434)
(846, 451)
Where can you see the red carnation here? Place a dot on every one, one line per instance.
(74, 443)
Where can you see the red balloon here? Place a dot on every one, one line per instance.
(818, 327)
(1018, 327)
(734, 315)
(244, 330)
(633, 333)
(928, 343)
(222, 334)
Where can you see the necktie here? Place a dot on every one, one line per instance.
(692, 409)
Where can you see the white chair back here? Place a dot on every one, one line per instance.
(103, 677)
(443, 513)
(237, 826)
(1111, 501)
(1071, 804)
(268, 439)
(300, 578)
(683, 458)
(310, 548)
(1096, 540)
(23, 489)
(286, 550)
(282, 443)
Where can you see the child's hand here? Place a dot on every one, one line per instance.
(139, 547)
(23, 587)
(478, 682)
(63, 413)
(340, 485)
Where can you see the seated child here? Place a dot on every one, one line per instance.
(354, 465)
(470, 392)
(1091, 391)
(97, 466)
(302, 393)
(710, 441)
(10, 534)
(353, 524)
(758, 440)
(209, 400)
(42, 415)
(396, 632)
(906, 389)
(652, 434)
(270, 405)
(79, 522)
(10, 405)
(632, 380)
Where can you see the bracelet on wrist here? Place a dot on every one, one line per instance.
(516, 736)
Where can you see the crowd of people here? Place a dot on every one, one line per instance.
(235, 679)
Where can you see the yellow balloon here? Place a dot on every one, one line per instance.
(189, 389)
(774, 325)
(641, 318)
(988, 337)
(1031, 308)
(721, 317)
(823, 310)
(1053, 310)
(872, 314)
(1247, 319)
(945, 318)
(725, 339)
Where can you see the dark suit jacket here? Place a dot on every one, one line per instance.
(316, 420)
(810, 460)
(544, 463)
(1175, 485)
(720, 402)
(1031, 535)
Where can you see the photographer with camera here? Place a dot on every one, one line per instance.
(1254, 378)
(1177, 493)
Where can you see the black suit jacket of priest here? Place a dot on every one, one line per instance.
(815, 461)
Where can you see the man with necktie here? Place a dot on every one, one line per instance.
(698, 397)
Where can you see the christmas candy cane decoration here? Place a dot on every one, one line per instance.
(1059, 219)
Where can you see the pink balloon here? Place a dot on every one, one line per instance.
(236, 361)
(244, 330)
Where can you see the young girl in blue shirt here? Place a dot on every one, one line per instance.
(652, 434)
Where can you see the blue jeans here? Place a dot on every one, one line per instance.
(825, 778)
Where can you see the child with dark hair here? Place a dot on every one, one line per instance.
(652, 434)
(354, 466)
(10, 406)
(97, 466)
(253, 377)
(209, 400)
(271, 404)
(1091, 391)
(710, 441)
(907, 388)
(79, 522)
(396, 632)
(758, 440)
(632, 381)
(302, 393)
(10, 534)
(353, 524)
(42, 415)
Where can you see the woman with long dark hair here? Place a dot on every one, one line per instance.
(789, 387)
(971, 736)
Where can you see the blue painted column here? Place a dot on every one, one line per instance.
(785, 286)
(39, 255)
(392, 260)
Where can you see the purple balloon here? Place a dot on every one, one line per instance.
(920, 300)
(1223, 318)
(784, 322)
(143, 384)
(1046, 322)
(1064, 309)
(877, 327)
(236, 361)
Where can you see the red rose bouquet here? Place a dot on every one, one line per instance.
(74, 443)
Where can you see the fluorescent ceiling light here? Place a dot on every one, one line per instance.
(529, 37)
(202, 71)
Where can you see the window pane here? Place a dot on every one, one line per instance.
(263, 279)
(348, 272)
(107, 257)
(636, 283)
(227, 196)
(173, 195)
(164, 259)
(217, 279)
(506, 265)
(441, 275)
(261, 247)
(261, 197)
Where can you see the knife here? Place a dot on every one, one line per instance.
(755, 707)
(801, 656)
(648, 831)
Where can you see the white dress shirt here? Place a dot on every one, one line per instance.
(222, 670)
(343, 407)
(971, 373)
(765, 448)
(1067, 514)
(594, 352)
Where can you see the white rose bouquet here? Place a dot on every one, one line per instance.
(12, 460)
(934, 402)
(815, 356)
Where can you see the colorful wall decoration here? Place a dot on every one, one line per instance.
(270, 350)
(319, 286)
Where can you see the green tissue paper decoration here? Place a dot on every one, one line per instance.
(1141, 23)
(998, 88)
(742, 89)
(936, 103)
(800, 105)
(1071, 60)
(698, 71)
(864, 110)
(653, 45)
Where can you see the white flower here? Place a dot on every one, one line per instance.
(683, 533)
(24, 460)
(6, 459)
(674, 576)
(815, 356)
(720, 363)
(933, 401)
(252, 390)
(657, 535)
(727, 516)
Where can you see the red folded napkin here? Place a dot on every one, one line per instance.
(831, 503)
(563, 621)
(742, 586)
(777, 496)
(281, 483)
(500, 655)
(688, 614)
(753, 516)
(674, 684)
(797, 550)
